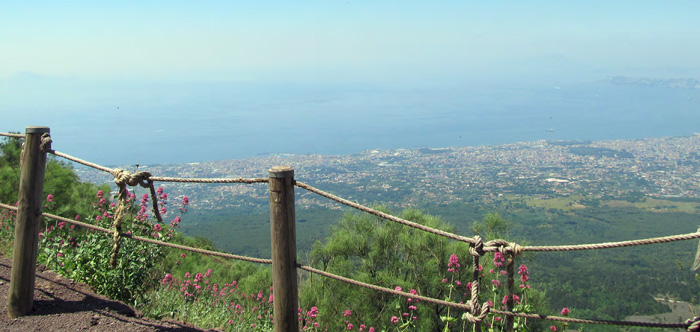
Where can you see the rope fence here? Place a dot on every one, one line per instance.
(153, 241)
(12, 135)
(473, 311)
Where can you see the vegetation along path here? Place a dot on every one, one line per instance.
(60, 304)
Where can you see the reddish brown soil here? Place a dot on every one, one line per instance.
(61, 304)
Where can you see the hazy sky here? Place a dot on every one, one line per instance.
(200, 76)
(203, 40)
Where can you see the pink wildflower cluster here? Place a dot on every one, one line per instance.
(498, 259)
(453, 264)
(524, 276)
(7, 218)
(241, 307)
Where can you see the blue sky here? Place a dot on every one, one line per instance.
(215, 69)
(223, 40)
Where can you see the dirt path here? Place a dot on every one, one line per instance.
(63, 305)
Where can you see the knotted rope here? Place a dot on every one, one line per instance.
(476, 250)
(123, 179)
(45, 145)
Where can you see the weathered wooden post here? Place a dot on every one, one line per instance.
(31, 192)
(284, 249)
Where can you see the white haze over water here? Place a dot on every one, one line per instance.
(177, 123)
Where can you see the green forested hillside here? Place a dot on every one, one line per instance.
(604, 284)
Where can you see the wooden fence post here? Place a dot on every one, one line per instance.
(31, 192)
(284, 249)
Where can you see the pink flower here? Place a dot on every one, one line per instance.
(182, 255)
(157, 228)
(77, 217)
(498, 259)
(313, 312)
(159, 190)
(350, 326)
(394, 319)
(185, 200)
(553, 328)
(59, 255)
(565, 312)
(496, 283)
(100, 193)
(444, 280)
(397, 288)
(49, 198)
(453, 264)
(168, 277)
(371, 329)
(347, 313)
(522, 271)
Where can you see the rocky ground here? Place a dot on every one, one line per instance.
(61, 304)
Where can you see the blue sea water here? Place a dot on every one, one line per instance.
(178, 123)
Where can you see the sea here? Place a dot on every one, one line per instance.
(170, 123)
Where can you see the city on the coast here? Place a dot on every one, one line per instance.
(651, 167)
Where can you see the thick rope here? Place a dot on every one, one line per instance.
(123, 178)
(692, 325)
(606, 245)
(115, 172)
(592, 321)
(82, 162)
(383, 215)
(143, 239)
(476, 250)
(45, 145)
(117, 224)
(205, 180)
(465, 307)
(12, 135)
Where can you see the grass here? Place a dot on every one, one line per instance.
(560, 203)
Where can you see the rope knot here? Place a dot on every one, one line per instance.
(505, 247)
(45, 145)
(515, 249)
(477, 248)
(478, 318)
(693, 324)
(122, 177)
